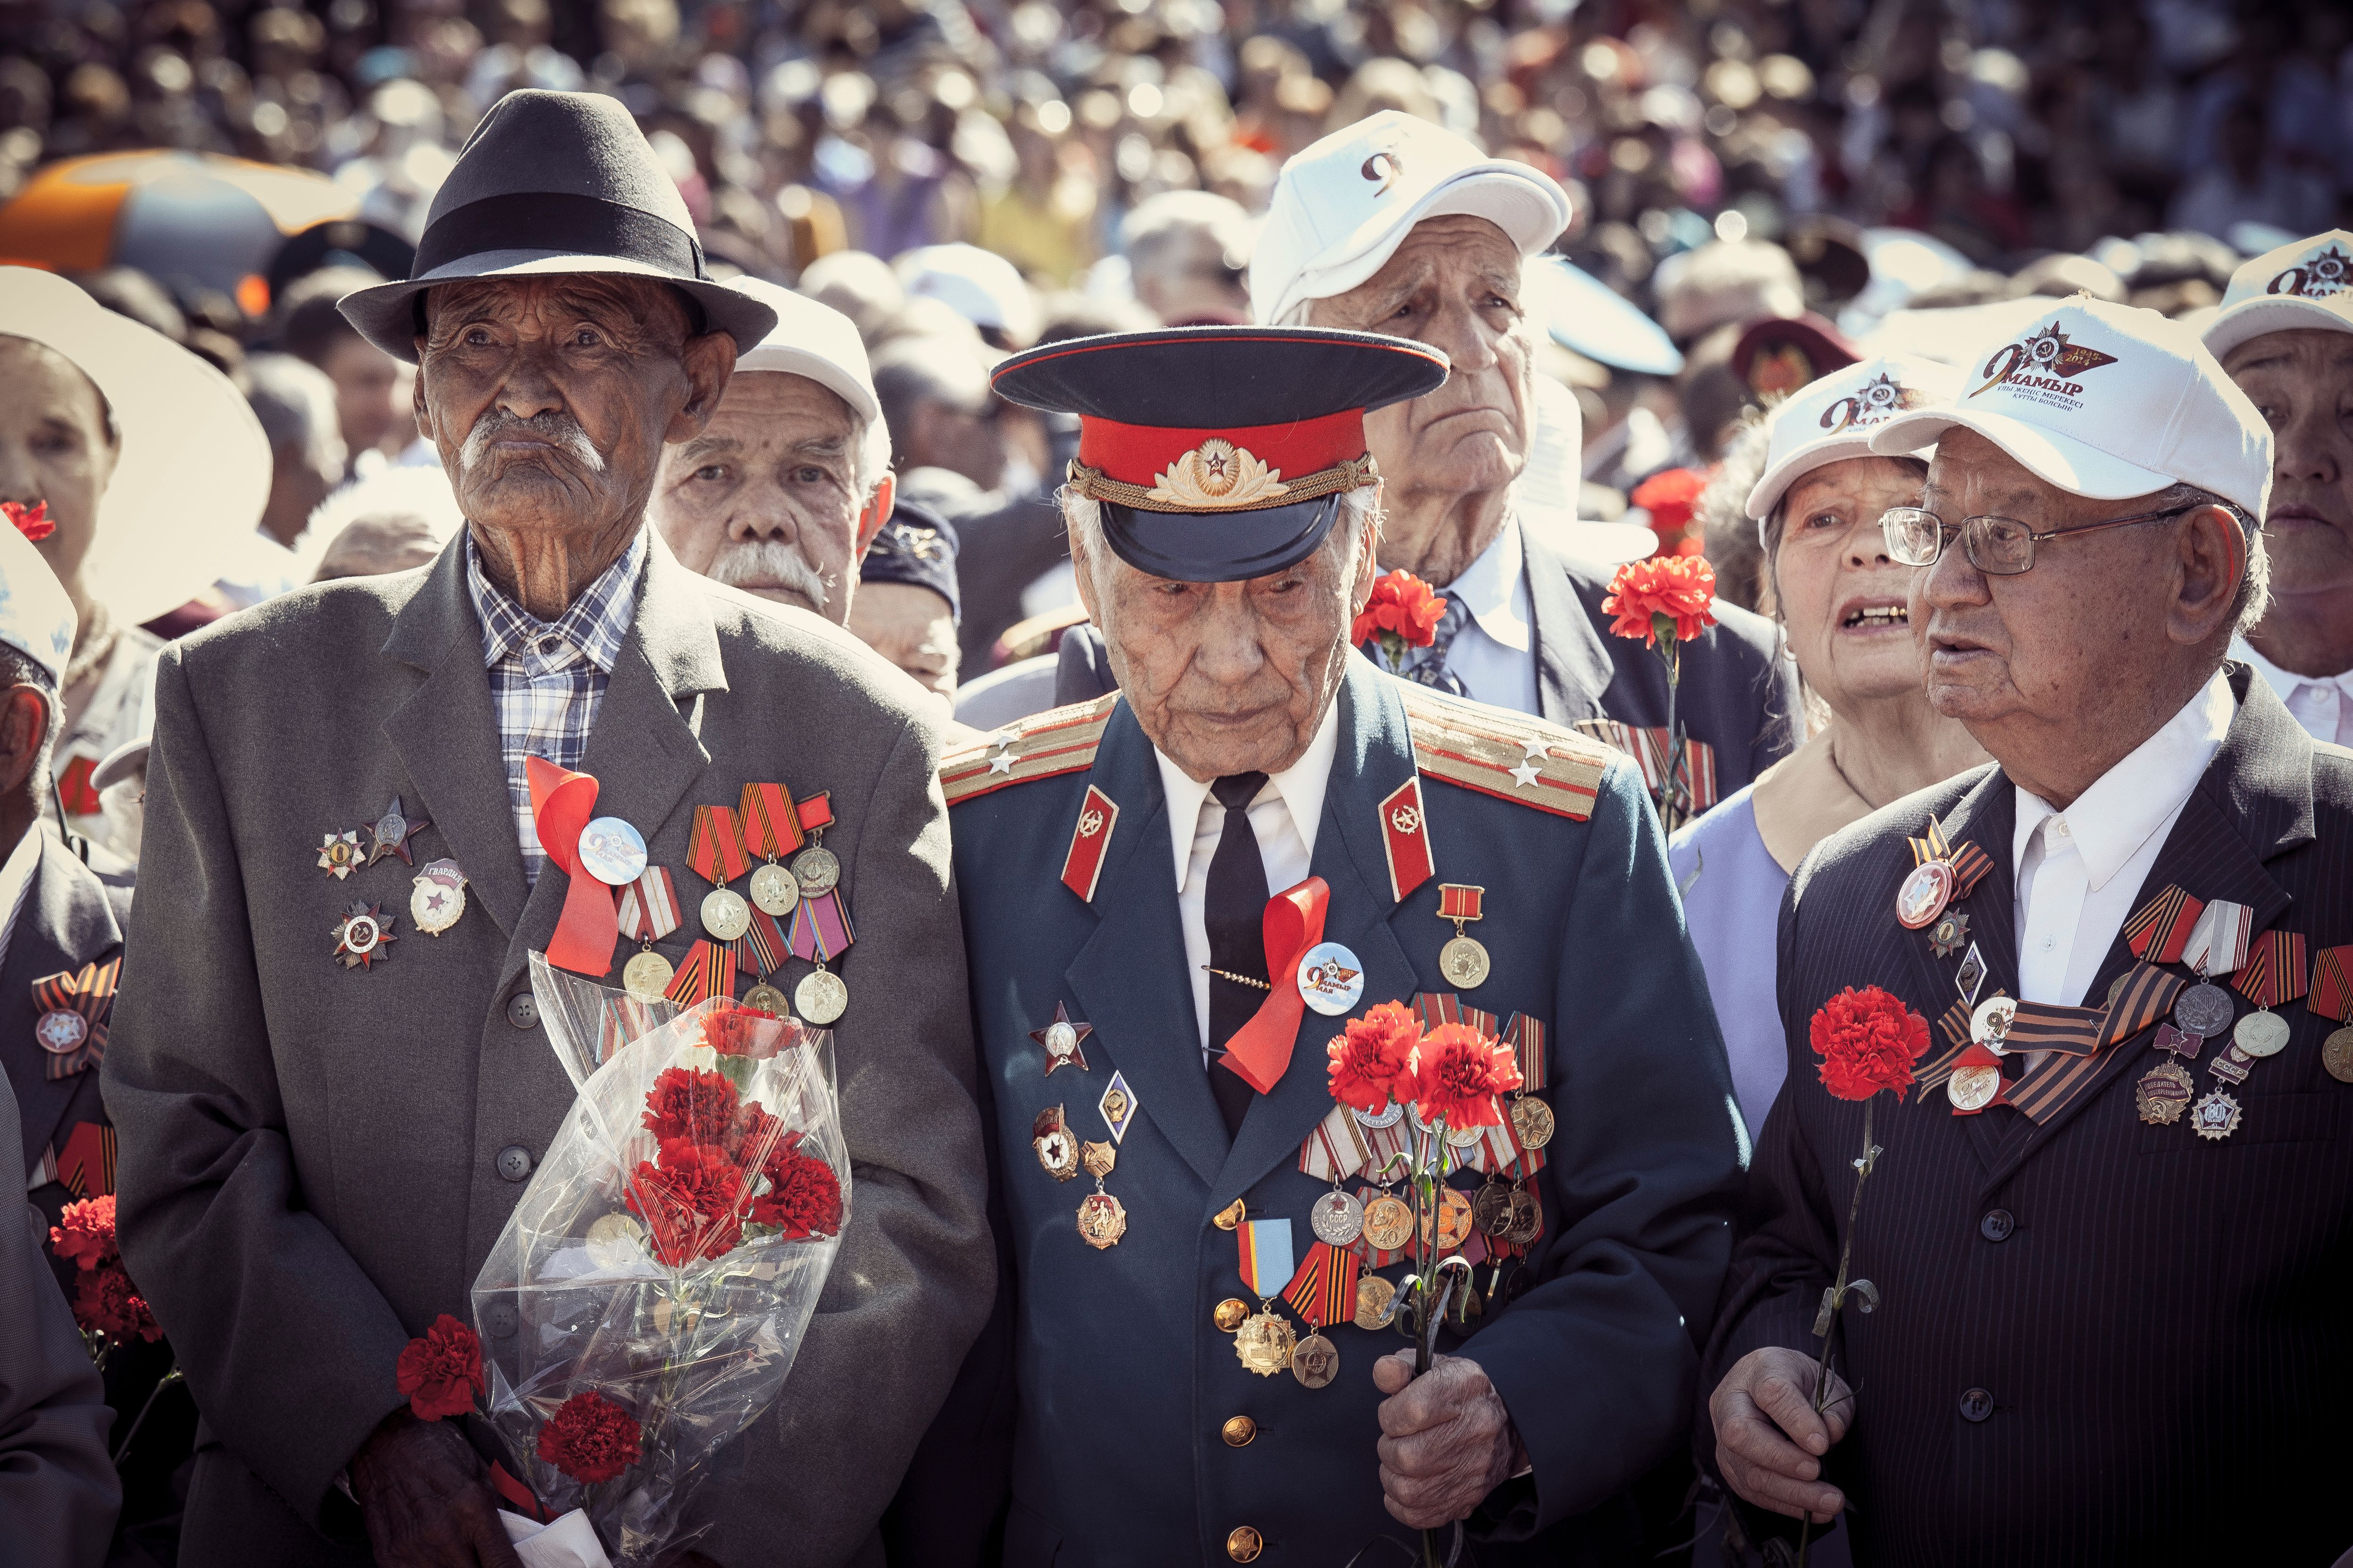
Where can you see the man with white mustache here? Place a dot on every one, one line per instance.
(790, 482)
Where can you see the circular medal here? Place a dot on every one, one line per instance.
(1923, 895)
(1331, 978)
(1101, 1220)
(1453, 1220)
(1387, 1223)
(646, 976)
(2216, 1116)
(1230, 1314)
(775, 890)
(1525, 1221)
(61, 1033)
(435, 904)
(361, 935)
(1532, 1121)
(1464, 1136)
(1375, 1298)
(821, 997)
(1973, 1088)
(1315, 1361)
(2204, 1010)
(817, 870)
(1492, 1208)
(2336, 1054)
(615, 1241)
(1386, 1115)
(1060, 1038)
(1264, 1344)
(1337, 1217)
(1464, 962)
(725, 915)
(2263, 1032)
(1990, 1025)
(767, 999)
(612, 851)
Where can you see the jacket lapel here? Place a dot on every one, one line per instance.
(1129, 979)
(1573, 668)
(64, 923)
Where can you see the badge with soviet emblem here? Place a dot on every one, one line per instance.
(439, 897)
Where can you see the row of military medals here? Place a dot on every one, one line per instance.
(1102, 1218)
(363, 933)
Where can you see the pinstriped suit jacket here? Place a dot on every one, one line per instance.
(2161, 1320)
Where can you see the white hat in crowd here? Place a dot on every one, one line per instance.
(978, 284)
(2305, 285)
(1342, 206)
(37, 619)
(1834, 418)
(194, 471)
(812, 340)
(2105, 401)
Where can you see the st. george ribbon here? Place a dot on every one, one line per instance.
(562, 802)
(1260, 1049)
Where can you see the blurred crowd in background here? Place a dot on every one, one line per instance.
(1762, 190)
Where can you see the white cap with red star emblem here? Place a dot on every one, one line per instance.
(2306, 286)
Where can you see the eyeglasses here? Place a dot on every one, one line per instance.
(1996, 546)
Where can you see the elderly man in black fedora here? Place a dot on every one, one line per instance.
(326, 1119)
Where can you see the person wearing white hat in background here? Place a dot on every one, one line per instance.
(154, 470)
(1397, 225)
(1812, 489)
(2285, 335)
(2110, 1226)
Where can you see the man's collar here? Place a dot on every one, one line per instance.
(2109, 822)
(595, 624)
(1301, 785)
(1493, 589)
(2284, 681)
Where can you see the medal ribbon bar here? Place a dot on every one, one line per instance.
(1265, 1254)
(772, 826)
(1526, 1036)
(820, 928)
(709, 971)
(2274, 974)
(816, 812)
(763, 943)
(89, 993)
(1325, 1289)
(1436, 1007)
(2218, 943)
(85, 1165)
(2331, 989)
(1459, 902)
(650, 906)
(1969, 862)
(2160, 929)
(714, 847)
(1336, 1149)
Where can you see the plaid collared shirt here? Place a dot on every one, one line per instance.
(547, 677)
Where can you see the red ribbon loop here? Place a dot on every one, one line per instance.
(1260, 1049)
(561, 804)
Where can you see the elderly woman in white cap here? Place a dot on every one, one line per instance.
(151, 467)
(1840, 598)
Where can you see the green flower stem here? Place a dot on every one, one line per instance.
(166, 1381)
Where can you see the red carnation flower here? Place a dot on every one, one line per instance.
(32, 521)
(1670, 497)
(84, 1233)
(803, 1195)
(1458, 1072)
(752, 1135)
(741, 1031)
(442, 1370)
(107, 1303)
(589, 1438)
(1402, 612)
(692, 1202)
(1664, 596)
(1868, 1041)
(691, 1105)
(1371, 1061)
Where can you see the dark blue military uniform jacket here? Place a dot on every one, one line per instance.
(1124, 1382)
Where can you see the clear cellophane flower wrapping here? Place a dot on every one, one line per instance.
(696, 1350)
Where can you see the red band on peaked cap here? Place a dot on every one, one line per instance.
(1139, 454)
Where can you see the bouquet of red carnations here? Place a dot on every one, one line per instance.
(650, 1292)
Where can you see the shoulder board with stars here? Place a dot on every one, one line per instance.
(1059, 740)
(1509, 756)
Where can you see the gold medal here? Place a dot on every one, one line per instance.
(1525, 1223)
(817, 870)
(821, 997)
(2336, 1054)
(1316, 1361)
(1101, 1220)
(1388, 1223)
(775, 890)
(1532, 1121)
(1490, 1209)
(1264, 1344)
(646, 976)
(767, 999)
(1228, 1217)
(1464, 962)
(2261, 1033)
(1375, 1300)
(1973, 1088)
(1453, 1220)
(2163, 1094)
(2216, 1116)
(725, 915)
(1232, 1314)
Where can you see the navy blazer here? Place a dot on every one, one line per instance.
(1737, 694)
(1123, 1381)
(2098, 1341)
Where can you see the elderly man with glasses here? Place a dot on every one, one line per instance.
(2106, 1230)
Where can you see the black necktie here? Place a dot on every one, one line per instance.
(1233, 909)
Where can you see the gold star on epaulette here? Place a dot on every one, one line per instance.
(1509, 756)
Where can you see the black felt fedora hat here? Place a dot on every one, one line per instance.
(554, 181)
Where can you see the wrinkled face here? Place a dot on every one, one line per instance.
(550, 398)
(911, 627)
(371, 392)
(54, 448)
(1455, 285)
(1843, 599)
(2302, 382)
(766, 497)
(1230, 678)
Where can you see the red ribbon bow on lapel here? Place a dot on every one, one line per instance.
(73, 1006)
(561, 804)
(1260, 1049)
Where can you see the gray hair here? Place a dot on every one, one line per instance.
(1083, 516)
(295, 403)
(2254, 594)
(869, 456)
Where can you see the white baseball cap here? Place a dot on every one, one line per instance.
(1342, 206)
(1834, 418)
(37, 619)
(812, 340)
(2105, 401)
(2305, 285)
(978, 284)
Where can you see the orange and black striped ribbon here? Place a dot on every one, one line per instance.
(1325, 1289)
(85, 1165)
(772, 825)
(709, 971)
(761, 946)
(1931, 848)
(2047, 1027)
(2274, 974)
(1459, 900)
(714, 847)
(2147, 995)
(88, 991)
(1969, 862)
(2161, 928)
(2332, 984)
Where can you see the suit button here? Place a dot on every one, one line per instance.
(1244, 1546)
(1238, 1430)
(522, 1010)
(1997, 1225)
(514, 1162)
(499, 1317)
(1230, 1315)
(1976, 1404)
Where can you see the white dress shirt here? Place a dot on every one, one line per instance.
(2079, 871)
(1495, 652)
(1283, 815)
(2323, 704)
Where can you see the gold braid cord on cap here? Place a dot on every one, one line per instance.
(1218, 476)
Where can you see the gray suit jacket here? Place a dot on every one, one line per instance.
(309, 1165)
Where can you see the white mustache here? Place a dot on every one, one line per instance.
(770, 563)
(554, 425)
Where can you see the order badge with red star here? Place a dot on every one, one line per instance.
(361, 936)
(439, 897)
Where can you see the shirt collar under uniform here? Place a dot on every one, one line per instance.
(1493, 590)
(1301, 785)
(2109, 822)
(594, 626)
